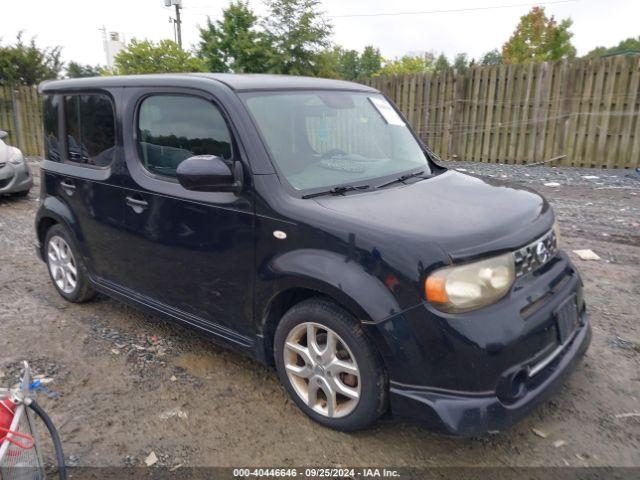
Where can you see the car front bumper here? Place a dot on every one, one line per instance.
(15, 178)
(475, 415)
(479, 372)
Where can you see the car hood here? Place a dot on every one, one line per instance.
(465, 215)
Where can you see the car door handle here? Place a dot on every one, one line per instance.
(68, 186)
(137, 204)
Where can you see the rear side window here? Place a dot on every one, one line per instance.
(90, 129)
(172, 128)
(50, 121)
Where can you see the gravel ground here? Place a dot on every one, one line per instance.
(125, 384)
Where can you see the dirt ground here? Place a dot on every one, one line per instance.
(130, 384)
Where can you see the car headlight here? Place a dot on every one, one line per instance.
(16, 158)
(470, 286)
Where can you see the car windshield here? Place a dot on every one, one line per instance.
(322, 139)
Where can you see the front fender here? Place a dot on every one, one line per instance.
(335, 275)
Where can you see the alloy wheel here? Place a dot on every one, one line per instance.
(62, 265)
(322, 369)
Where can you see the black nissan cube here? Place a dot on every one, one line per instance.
(301, 221)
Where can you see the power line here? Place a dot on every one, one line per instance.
(206, 12)
(453, 10)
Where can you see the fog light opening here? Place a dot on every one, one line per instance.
(519, 384)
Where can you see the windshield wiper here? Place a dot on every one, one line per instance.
(341, 190)
(401, 178)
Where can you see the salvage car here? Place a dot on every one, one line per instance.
(303, 222)
(15, 175)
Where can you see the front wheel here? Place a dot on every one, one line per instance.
(329, 366)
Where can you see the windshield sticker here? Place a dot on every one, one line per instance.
(386, 111)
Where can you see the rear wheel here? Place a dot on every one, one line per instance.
(329, 366)
(65, 267)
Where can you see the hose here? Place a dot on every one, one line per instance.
(62, 468)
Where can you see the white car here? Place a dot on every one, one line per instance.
(15, 175)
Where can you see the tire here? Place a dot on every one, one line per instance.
(73, 287)
(325, 372)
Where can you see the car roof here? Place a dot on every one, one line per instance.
(235, 81)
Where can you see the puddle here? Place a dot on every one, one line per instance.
(198, 365)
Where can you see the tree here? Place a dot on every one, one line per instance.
(349, 64)
(625, 46)
(408, 64)
(370, 61)
(461, 62)
(327, 63)
(597, 52)
(234, 43)
(75, 70)
(491, 58)
(340, 63)
(538, 38)
(298, 33)
(442, 63)
(148, 57)
(27, 64)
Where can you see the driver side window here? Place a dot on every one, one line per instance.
(172, 128)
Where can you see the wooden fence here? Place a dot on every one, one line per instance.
(584, 113)
(21, 117)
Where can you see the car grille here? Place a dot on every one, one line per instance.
(536, 254)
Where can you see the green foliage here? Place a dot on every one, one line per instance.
(27, 64)
(442, 63)
(629, 45)
(328, 62)
(233, 44)
(75, 70)
(294, 40)
(298, 33)
(349, 64)
(597, 52)
(148, 57)
(461, 62)
(491, 58)
(538, 38)
(370, 61)
(407, 64)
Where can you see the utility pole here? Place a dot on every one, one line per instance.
(176, 22)
(103, 29)
(172, 21)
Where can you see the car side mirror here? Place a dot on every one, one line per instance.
(207, 173)
(3, 134)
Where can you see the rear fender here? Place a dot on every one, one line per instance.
(55, 209)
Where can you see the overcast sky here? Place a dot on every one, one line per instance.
(74, 24)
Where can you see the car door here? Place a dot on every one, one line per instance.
(191, 253)
(79, 166)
